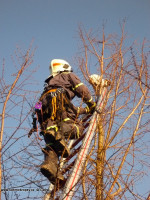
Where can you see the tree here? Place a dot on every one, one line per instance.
(118, 159)
(15, 108)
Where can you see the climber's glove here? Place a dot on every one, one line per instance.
(90, 108)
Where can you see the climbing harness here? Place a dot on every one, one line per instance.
(51, 103)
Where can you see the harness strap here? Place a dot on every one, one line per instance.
(54, 108)
(49, 91)
(56, 102)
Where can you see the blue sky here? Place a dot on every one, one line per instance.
(53, 26)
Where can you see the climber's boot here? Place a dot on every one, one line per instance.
(49, 168)
(57, 142)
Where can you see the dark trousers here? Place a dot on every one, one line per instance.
(68, 129)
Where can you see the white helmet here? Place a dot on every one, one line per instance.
(59, 65)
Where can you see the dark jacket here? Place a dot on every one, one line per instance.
(72, 86)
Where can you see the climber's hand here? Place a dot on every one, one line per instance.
(91, 108)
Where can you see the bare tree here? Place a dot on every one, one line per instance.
(119, 155)
(16, 91)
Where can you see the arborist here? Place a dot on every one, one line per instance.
(58, 117)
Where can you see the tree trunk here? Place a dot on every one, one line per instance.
(100, 162)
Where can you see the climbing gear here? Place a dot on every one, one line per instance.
(54, 103)
(51, 105)
(59, 65)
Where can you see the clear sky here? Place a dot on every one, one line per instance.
(53, 26)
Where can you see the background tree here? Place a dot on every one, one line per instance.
(16, 93)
